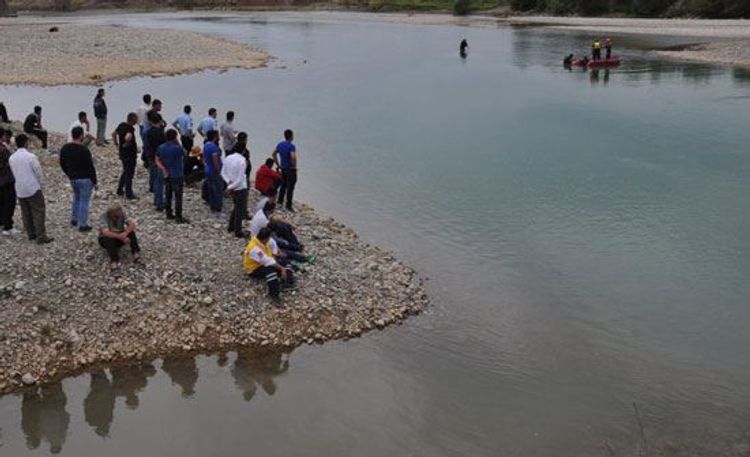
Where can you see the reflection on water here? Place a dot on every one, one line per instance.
(44, 418)
(585, 234)
(44, 410)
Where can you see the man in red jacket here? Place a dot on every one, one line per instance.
(267, 180)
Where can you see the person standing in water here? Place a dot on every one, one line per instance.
(463, 47)
(596, 49)
(608, 48)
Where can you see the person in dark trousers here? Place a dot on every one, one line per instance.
(259, 260)
(7, 186)
(78, 165)
(212, 163)
(608, 48)
(170, 159)
(124, 138)
(27, 171)
(155, 137)
(142, 113)
(100, 113)
(184, 125)
(240, 147)
(285, 156)
(233, 172)
(3, 114)
(116, 231)
(33, 126)
(463, 48)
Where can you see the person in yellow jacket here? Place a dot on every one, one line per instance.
(261, 262)
(596, 49)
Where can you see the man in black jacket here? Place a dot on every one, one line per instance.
(76, 162)
(33, 126)
(100, 113)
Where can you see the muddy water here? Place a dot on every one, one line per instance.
(585, 235)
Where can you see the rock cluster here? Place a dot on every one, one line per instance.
(61, 311)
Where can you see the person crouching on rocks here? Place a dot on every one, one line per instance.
(115, 232)
(260, 262)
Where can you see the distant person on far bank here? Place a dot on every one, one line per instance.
(29, 181)
(33, 126)
(100, 113)
(7, 186)
(285, 156)
(127, 148)
(170, 158)
(208, 123)
(78, 165)
(184, 125)
(116, 231)
(82, 122)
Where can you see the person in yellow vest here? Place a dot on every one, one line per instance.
(596, 49)
(261, 262)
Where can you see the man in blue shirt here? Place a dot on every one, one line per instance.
(184, 125)
(285, 156)
(212, 163)
(170, 160)
(208, 123)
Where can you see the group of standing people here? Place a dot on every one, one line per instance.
(171, 158)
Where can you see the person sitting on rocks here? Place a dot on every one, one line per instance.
(282, 231)
(33, 126)
(116, 231)
(82, 122)
(194, 171)
(260, 262)
(267, 181)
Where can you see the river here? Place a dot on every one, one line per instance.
(585, 236)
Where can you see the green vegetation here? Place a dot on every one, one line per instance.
(640, 8)
(457, 6)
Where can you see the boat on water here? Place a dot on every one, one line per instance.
(613, 61)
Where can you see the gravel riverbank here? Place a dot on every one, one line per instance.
(79, 53)
(62, 312)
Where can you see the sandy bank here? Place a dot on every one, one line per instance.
(62, 312)
(90, 54)
(725, 42)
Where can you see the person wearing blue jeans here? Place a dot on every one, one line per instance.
(155, 137)
(170, 159)
(213, 165)
(78, 165)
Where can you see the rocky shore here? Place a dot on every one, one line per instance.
(56, 53)
(62, 312)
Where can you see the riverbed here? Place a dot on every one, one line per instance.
(585, 235)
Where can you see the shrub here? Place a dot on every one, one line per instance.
(462, 7)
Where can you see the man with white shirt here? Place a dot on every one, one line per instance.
(29, 177)
(233, 173)
(142, 110)
(82, 122)
(208, 123)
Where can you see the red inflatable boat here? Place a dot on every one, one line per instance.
(613, 61)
